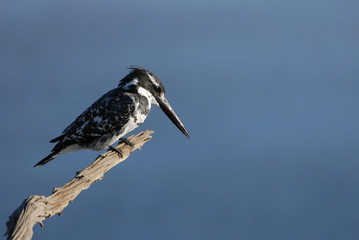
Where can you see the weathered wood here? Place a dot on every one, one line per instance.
(35, 208)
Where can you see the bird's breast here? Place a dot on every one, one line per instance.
(142, 109)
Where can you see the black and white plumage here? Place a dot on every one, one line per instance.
(115, 114)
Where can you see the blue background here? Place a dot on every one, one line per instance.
(268, 91)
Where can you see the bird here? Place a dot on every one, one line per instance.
(114, 115)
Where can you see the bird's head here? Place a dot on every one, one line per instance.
(144, 82)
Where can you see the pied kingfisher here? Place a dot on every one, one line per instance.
(115, 114)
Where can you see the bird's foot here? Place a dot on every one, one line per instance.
(126, 141)
(111, 148)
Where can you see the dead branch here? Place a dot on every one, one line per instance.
(36, 208)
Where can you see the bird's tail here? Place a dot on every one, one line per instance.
(47, 159)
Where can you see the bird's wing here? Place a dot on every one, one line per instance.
(109, 113)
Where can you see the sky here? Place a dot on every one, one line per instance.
(268, 91)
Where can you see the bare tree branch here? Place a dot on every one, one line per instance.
(36, 208)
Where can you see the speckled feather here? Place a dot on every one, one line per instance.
(103, 119)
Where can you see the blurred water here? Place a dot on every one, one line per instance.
(268, 91)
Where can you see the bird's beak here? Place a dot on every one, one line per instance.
(167, 109)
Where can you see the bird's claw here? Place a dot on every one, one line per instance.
(111, 148)
(126, 141)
